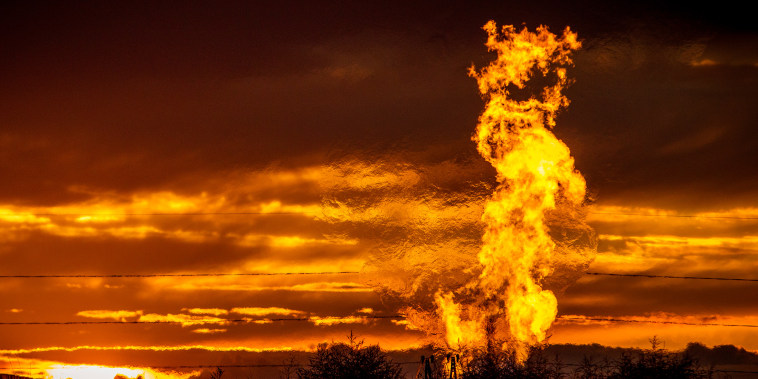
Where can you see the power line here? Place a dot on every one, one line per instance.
(176, 275)
(165, 214)
(670, 276)
(603, 319)
(288, 319)
(186, 366)
(737, 371)
(676, 215)
(157, 367)
(27, 369)
(195, 321)
(135, 214)
(332, 273)
(715, 370)
(198, 321)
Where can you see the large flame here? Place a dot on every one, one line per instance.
(538, 186)
(465, 265)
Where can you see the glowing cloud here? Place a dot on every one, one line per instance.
(185, 320)
(104, 314)
(208, 331)
(270, 311)
(207, 311)
(331, 320)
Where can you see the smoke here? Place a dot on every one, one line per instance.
(420, 221)
(468, 260)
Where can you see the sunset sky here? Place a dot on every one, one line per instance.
(192, 137)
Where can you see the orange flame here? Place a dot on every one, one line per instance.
(537, 179)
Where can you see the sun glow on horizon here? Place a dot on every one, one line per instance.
(59, 371)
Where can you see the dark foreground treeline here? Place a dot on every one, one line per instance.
(651, 363)
(354, 359)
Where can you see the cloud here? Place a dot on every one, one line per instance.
(208, 331)
(305, 287)
(694, 142)
(269, 311)
(104, 314)
(636, 333)
(292, 241)
(184, 320)
(331, 320)
(145, 215)
(207, 311)
(664, 318)
(405, 324)
(141, 348)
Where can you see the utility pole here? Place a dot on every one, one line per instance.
(453, 366)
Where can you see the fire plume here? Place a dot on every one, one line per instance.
(533, 220)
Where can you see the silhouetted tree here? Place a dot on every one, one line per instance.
(217, 374)
(722, 354)
(290, 368)
(656, 363)
(350, 361)
(433, 367)
(590, 369)
(494, 362)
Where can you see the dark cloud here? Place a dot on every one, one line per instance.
(651, 128)
(143, 95)
(627, 296)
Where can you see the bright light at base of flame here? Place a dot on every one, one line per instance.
(537, 186)
(458, 331)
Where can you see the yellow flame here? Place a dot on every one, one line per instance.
(459, 333)
(536, 175)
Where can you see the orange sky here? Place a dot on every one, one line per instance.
(142, 139)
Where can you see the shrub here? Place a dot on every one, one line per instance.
(657, 363)
(494, 362)
(350, 361)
